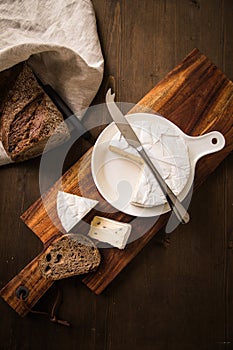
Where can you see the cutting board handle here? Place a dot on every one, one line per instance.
(200, 146)
(25, 289)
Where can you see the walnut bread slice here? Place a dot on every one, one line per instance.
(71, 254)
(29, 118)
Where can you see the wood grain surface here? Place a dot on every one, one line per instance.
(179, 297)
(197, 97)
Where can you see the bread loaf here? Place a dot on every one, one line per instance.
(71, 254)
(29, 118)
(7, 80)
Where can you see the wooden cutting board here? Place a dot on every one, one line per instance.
(198, 98)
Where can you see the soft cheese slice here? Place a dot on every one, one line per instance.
(168, 152)
(110, 231)
(4, 158)
(72, 208)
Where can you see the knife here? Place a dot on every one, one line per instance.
(68, 115)
(132, 139)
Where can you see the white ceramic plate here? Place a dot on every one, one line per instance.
(115, 176)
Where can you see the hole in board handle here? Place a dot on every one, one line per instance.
(22, 292)
(214, 141)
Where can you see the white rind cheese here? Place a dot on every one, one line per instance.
(169, 153)
(4, 158)
(72, 208)
(110, 231)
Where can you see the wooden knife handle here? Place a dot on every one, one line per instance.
(25, 289)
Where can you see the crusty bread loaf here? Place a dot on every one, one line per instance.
(71, 254)
(7, 80)
(29, 118)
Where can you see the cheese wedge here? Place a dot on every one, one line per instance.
(4, 158)
(71, 208)
(110, 231)
(169, 153)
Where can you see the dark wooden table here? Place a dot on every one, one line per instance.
(169, 298)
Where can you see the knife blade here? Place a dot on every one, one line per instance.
(132, 139)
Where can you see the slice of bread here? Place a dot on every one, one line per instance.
(29, 118)
(69, 255)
